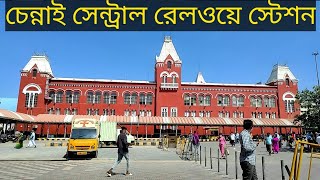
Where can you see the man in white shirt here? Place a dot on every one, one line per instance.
(232, 139)
(32, 139)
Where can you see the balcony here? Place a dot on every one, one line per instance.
(169, 86)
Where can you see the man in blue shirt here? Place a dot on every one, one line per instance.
(248, 152)
(269, 143)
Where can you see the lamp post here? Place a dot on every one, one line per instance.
(315, 54)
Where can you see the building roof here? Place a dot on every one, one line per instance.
(200, 79)
(102, 80)
(42, 62)
(11, 115)
(168, 49)
(223, 84)
(280, 72)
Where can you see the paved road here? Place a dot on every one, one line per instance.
(146, 163)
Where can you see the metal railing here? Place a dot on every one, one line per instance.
(169, 85)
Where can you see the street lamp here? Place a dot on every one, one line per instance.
(315, 59)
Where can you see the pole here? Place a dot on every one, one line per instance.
(315, 59)
(226, 154)
(200, 154)
(236, 163)
(205, 156)
(210, 159)
(263, 175)
(218, 161)
(282, 173)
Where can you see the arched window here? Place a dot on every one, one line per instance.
(59, 97)
(52, 95)
(207, 100)
(253, 102)
(34, 73)
(220, 100)
(193, 100)
(106, 98)
(169, 64)
(134, 98)
(234, 101)
(76, 96)
(69, 96)
(201, 100)
(90, 97)
(164, 79)
(113, 98)
(287, 81)
(259, 101)
(127, 98)
(174, 79)
(31, 100)
(226, 101)
(266, 102)
(97, 98)
(149, 98)
(272, 102)
(241, 101)
(186, 98)
(142, 98)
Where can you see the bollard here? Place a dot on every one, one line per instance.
(236, 162)
(210, 159)
(218, 161)
(263, 175)
(282, 173)
(200, 154)
(226, 154)
(205, 156)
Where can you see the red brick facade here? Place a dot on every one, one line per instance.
(40, 93)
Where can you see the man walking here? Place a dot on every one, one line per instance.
(269, 143)
(195, 143)
(247, 154)
(32, 139)
(123, 151)
(232, 139)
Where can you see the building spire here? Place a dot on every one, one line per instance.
(168, 49)
(200, 78)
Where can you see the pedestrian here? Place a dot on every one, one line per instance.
(248, 152)
(32, 139)
(222, 144)
(195, 143)
(232, 139)
(237, 138)
(123, 151)
(269, 143)
(275, 144)
(190, 140)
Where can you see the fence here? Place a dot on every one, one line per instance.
(211, 158)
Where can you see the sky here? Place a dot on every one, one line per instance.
(222, 57)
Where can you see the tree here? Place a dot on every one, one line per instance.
(310, 100)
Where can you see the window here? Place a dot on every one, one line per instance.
(235, 114)
(143, 98)
(169, 64)
(59, 97)
(97, 98)
(141, 113)
(106, 98)
(34, 73)
(287, 81)
(267, 115)
(201, 114)
(190, 100)
(164, 112)
(272, 102)
(90, 98)
(133, 113)
(134, 98)
(149, 114)
(253, 102)
(273, 116)
(174, 79)
(259, 102)
(226, 101)
(227, 115)
(266, 102)
(112, 112)
(220, 100)
(220, 114)
(67, 112)
(57, 111)
(76, 96)
(50, 111)
(105, 112)
(174, 112)
(193, 113)
(127, 98)
(241, 115)
(96, 112)
(253, 115)
(193, 100)
(234, 101)
(260, 115)
(149, 99)
(74, 111)
(113, 98)
(240, 101)
(69, 96)
(207, 100)
(186, 98)
(126, 112)
(208, 114)
(186, 114)
(289, 105)
(52, 95)
(31, 100)
(89, 112)
(164, 79)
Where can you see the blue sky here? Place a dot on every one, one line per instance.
(222, 57)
